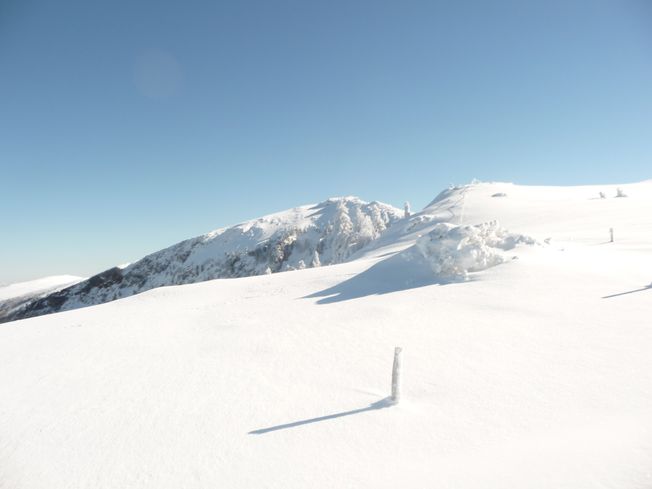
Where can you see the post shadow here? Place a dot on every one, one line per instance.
(383, 403)
(647, 287)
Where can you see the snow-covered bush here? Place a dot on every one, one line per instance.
(454, 251)
(620, 192)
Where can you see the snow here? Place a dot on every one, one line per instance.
(38, 286)
(454, 251)
(536, 373)
(306, 236)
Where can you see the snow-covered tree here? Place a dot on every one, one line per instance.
(364, 226)
(315, 260)
(406, 208)
(342, 222)
(341, 234)
(620, 192)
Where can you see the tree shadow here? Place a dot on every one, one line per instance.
(402, 271)
(383, 403)
(647, 287)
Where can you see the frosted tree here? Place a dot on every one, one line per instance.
(342, 233)
(378, 218)
(342, 221)
(406, 208)
(315, 260)
(365, 227)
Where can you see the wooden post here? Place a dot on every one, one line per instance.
(611, 232)
(396, 375)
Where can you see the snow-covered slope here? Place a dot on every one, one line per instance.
(38, 286)
(574, 215)
(536, 372)
(14, 297)
(303, 237)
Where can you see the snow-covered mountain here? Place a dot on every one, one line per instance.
(14, 297)
(38, 286)
(533, 369)
(303, 237)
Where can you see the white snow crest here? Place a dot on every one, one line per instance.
(454, 251)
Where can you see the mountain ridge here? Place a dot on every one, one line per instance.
(306, 236)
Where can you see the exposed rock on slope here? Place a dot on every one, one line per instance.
(303, 237)
(15, 297)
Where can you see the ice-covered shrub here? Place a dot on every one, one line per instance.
(454, 251)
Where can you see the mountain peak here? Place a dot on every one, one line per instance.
(302, 237)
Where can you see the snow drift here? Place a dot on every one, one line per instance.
(454, 251)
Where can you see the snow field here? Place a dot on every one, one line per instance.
(536, 373)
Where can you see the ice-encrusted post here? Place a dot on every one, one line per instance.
(406, 210)
(396, 375)
(611, 233)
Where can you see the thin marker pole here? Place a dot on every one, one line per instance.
(396, 375)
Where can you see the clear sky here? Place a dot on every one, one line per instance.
(126, 126)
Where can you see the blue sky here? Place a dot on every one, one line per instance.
(128, 126)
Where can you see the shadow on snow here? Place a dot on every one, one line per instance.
(647, 287)
(401, 271)
(383, 403)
